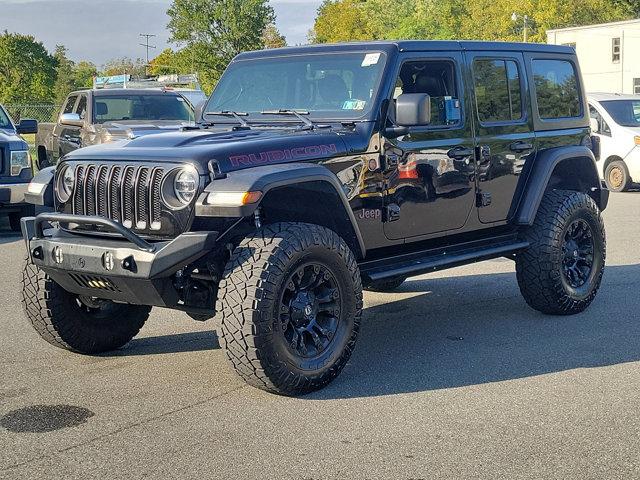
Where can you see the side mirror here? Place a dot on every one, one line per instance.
(594, 125)
(71, 119)
(27, 126)
(413, 109)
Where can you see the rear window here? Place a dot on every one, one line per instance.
(556, 89)
(141, 107)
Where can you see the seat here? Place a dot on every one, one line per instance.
(333, 91)
(101, 108)
(425, 83)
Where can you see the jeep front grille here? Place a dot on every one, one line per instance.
(128, 194)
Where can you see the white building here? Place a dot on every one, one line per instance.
(609, 54)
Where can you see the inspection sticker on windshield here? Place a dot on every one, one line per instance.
(354, 105)
(370, 59)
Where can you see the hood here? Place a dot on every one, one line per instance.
(10, 137)
(234, 149)
(133, 129)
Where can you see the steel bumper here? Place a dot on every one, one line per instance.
(122, 267)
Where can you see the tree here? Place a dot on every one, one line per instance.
(344, 20)
(83, 74)
(65, 81)
(27, 70)
(271, 37)
(341, 21)
(119, 66)
(215, 31)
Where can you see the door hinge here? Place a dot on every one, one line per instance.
(483, 199)
(392, 212)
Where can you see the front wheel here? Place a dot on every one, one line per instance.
(561, 271)
(291, 300)
(80, 324)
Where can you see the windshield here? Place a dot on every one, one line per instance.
(141, 107)
(4, 119)
(337, 85)
(624, 112)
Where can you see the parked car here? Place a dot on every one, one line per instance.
(15, 168)
(616, 120)
(91, 117)
(319, 171)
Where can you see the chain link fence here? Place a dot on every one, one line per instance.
(43, 113)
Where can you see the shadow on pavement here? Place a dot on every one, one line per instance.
(477, 329)
(176, 343)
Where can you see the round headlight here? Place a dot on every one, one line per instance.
(185, 185)
(66, 183)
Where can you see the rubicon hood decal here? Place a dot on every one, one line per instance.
(277, 156)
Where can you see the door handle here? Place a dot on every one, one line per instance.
(520, 146)
(460, 153)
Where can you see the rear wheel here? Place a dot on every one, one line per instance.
(291, 301)
(561, 271)
(81, 324)
(616, 176)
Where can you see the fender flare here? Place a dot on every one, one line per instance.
(540, 174)
(266, 178)
(44, 181)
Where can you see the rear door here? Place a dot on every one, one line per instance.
(504, 130)
(430, 171)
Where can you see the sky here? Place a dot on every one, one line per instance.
(99, 30)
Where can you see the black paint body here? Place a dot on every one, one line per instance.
(430, 188)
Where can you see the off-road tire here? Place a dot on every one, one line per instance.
(250, 290)
(386, 285)
(55, 314)
(616, 176)
(539, 268)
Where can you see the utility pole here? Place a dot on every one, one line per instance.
(147, 36)
(515, 17)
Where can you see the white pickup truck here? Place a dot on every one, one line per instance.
(616, 120)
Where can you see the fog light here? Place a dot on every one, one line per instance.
(108, 262)
(57, 255)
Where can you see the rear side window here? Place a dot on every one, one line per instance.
(71, 101)
(556, 89)
(497, 86)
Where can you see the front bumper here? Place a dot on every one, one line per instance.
(12, 194)
(124, 267)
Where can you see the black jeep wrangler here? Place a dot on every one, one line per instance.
(316, 172)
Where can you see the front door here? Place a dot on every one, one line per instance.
(429, 174)
(504, 130)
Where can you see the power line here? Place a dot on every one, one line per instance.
(147, 36)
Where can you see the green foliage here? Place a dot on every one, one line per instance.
(271, 37)
(83, 74)
(214, 31)
(119, 66)
(344, 20)
(27, 70)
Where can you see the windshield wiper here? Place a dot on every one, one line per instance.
(308, 124)
(230, 113)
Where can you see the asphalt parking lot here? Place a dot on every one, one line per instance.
(453, 377)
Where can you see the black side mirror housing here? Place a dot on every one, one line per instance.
(413, 109)
(27, 126)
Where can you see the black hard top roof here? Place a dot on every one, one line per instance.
(105, 92)
(410, 46)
